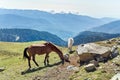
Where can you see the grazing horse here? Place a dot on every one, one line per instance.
(40, 49)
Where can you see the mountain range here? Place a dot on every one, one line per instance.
(112, 27)
(64, 25)
(88, 36)
(26, 35)
(18, 25)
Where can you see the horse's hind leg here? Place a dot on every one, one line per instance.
(29, 62)
(35, 60)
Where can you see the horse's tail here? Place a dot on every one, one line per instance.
(25, 53)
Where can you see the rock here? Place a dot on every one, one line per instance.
(71, 67)
(92, 48)
(2, 69)
(95, 63)
(116, 77)
(90, 67)
(115, 53)
(76, 69)
(88, 51)
(108, 42)
(66, 57)
(100, 59)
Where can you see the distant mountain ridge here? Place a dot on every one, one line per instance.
(25, 35)
(88, 36)
(112, 27)
(46, 21)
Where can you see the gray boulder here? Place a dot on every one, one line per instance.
(88, 51)
(116, 77)
(90, 67)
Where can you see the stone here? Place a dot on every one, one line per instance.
(2, 69)
(116, 77)
(115, 53)
(95, 63)
(90, 67)
(76, 69)
(70, 67)
(88, 51)
(66, 57)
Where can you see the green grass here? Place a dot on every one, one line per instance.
(11, 58)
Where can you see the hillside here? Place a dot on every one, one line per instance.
(88, 36)
(112, 27)
(11, 58)
(68, 23)
(26, 35)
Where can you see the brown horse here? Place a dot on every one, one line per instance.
(40, 49)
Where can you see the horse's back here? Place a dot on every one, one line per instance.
(37, 49)
(38, 45)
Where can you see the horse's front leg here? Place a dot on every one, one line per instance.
(46, 59)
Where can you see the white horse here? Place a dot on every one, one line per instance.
(70, 44)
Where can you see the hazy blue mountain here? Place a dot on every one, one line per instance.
(108, 19)
(112, 27)
(88, 36)
(57, 23)
(16, 21)
(25, 35)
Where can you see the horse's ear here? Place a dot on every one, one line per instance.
(46, 43)
(50, 42)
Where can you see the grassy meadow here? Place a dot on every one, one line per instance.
(16, 68)
(11, 58)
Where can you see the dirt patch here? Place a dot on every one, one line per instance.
(59, 72)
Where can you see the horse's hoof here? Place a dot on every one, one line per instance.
(48, 64)
(44, 64)
(29, 68)
(37, 65)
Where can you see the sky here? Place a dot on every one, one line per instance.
(94, 8)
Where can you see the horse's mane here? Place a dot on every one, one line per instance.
(53, 46)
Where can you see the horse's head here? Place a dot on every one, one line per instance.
(55, 49)
(66, 58)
